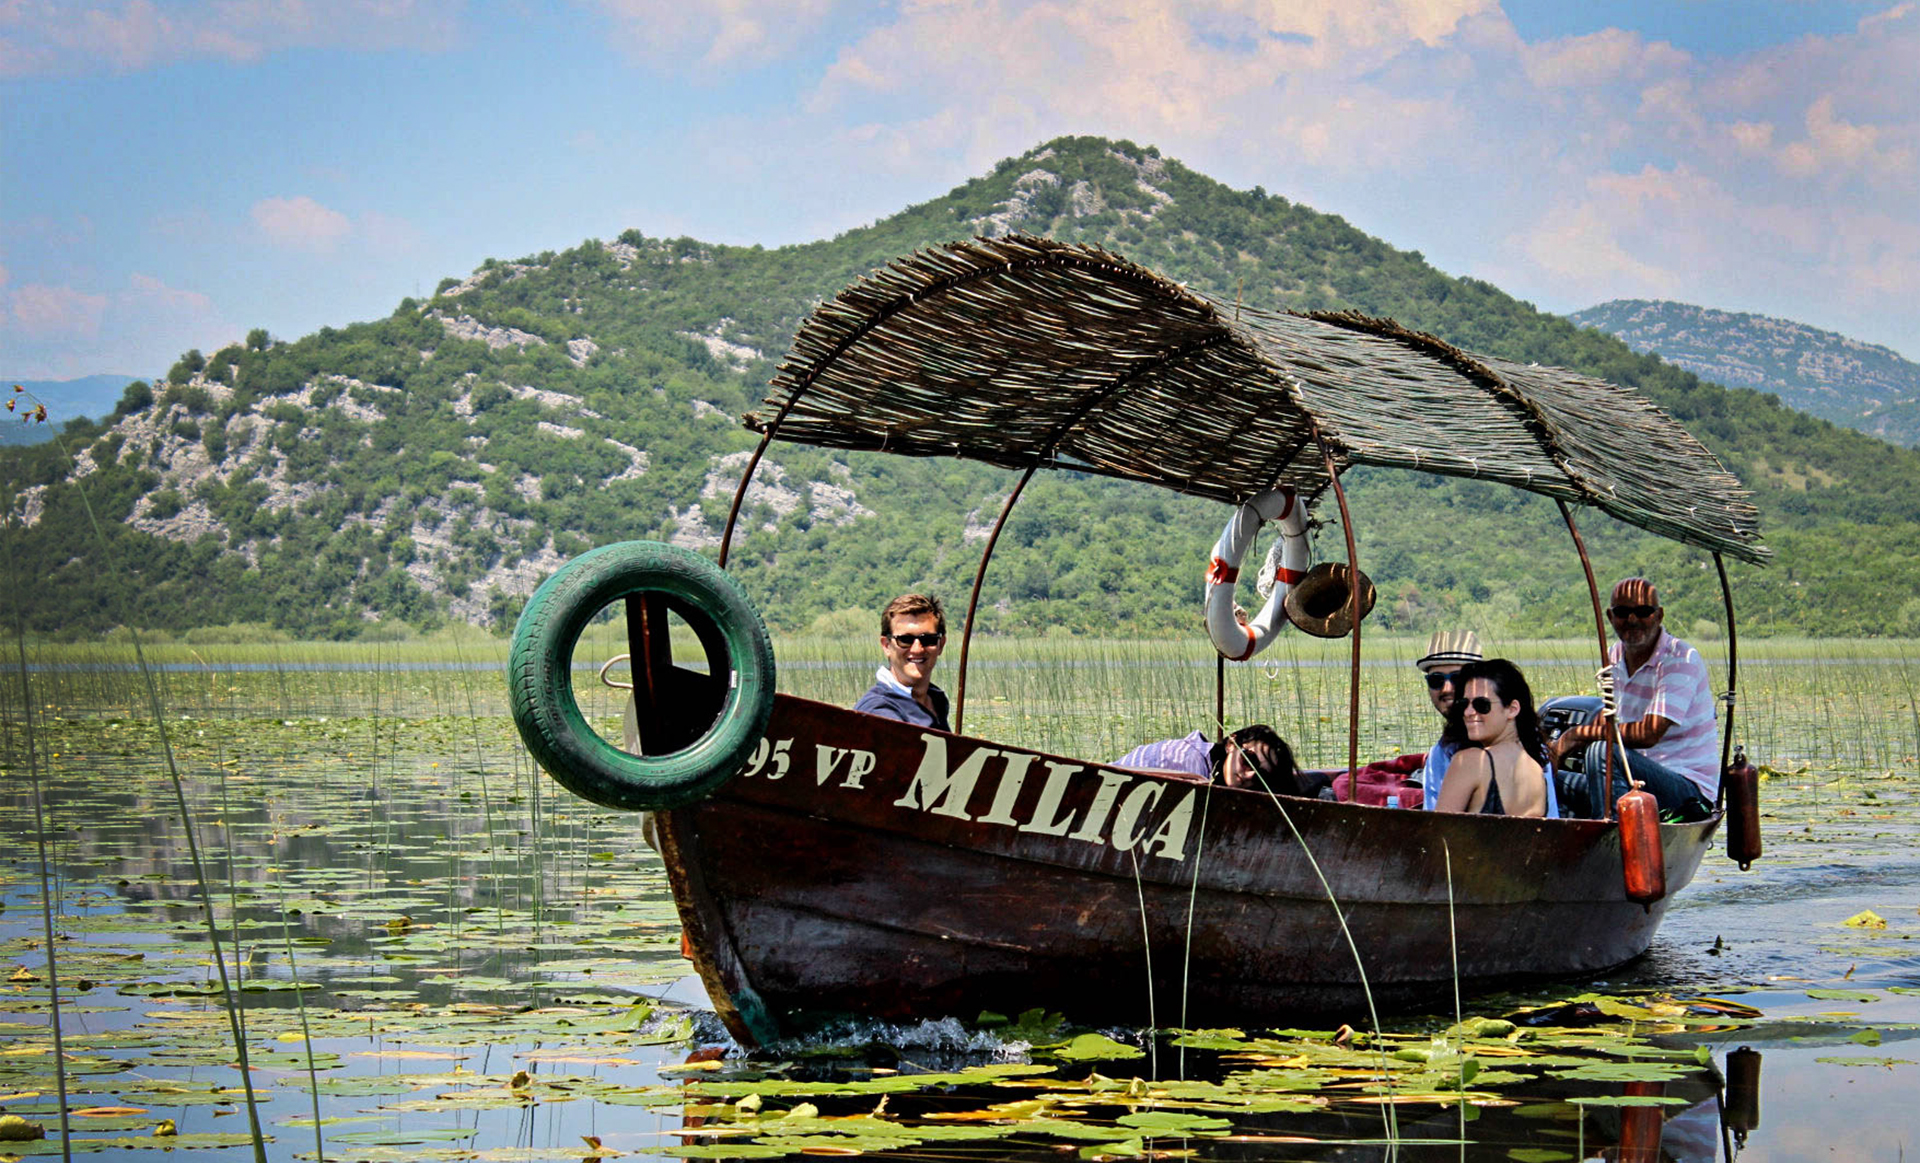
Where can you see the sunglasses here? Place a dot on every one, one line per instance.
(928, 640)
(1482, 705)
(1625, 612)
(1436, 681)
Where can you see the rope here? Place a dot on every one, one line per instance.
(1610, 707)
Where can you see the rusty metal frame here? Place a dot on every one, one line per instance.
(1353, 613)
(1599, 627)
(1733, 678)
(973, 602)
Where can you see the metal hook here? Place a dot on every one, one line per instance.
(608, 665)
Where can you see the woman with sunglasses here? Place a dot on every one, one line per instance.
(1496, 768)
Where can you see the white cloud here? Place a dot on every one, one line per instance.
(80, 36)
(1836, 147)
(669, 33)
(1601, 58)
(145, 292)
(55, 332)
(1573, 169)
(45, 312)
(300, 223)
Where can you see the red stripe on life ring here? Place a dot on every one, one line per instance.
(1250, 645)
(1286, 508)
(1290, 576)
(1219, 573)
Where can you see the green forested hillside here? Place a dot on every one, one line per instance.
(436, 463)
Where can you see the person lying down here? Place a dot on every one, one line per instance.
(1253, 757)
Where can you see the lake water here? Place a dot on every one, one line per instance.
(449, 957)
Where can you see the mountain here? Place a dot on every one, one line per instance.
(89, 397)
(1860, 385)
(390, 474)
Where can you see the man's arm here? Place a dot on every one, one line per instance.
(1639, 735)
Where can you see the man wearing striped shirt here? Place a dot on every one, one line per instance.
(1666, 710)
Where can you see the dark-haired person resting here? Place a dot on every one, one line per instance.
(913, 629)
(1496, 766)
(1254, 756)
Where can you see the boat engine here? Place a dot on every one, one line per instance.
(1580, 796)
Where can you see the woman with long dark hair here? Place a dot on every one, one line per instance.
(1497, 768)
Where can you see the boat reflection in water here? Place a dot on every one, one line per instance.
(1694, 1117)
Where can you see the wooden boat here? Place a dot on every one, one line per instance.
(827, 862)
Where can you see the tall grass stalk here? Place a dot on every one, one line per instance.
(306, 1032)
(233, 889)
(1146, 944)
(1459, 1018)
(1387, 1114)
(1186, 957)
(227, 996)
(486, 801)
(46, 890)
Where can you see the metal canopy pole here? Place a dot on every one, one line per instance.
(973, 602)
(1599, 624)
(740, 490)
(1733, 676)
(1353, 613)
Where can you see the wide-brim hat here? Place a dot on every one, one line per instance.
(1451, 648)
(1319, 603)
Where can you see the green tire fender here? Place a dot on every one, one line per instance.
(540, 676)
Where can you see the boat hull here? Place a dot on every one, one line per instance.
(864, 866)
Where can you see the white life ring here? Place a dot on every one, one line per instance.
(1230, 638)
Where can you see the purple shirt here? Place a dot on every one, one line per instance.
(1189, 754)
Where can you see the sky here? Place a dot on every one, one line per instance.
(174, 173)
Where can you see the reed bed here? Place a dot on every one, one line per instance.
(1825, 702)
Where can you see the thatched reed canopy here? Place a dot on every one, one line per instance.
(1023, 350)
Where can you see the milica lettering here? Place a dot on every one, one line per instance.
(1139, 802)
(1171, 835)
(938, 788)
(1059, 775)
(1007, 792)
(1121, 811)
(1110, 784)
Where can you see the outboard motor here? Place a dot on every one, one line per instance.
(1580, 795)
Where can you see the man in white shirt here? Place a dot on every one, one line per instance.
(1666, 710)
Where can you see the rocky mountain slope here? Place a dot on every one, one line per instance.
(435, 464)
(1860, 385)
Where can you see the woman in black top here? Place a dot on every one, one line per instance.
(1497, 769)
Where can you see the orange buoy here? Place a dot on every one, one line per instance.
(1642, 861)
(1743, 810)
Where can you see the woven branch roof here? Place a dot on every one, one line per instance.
(1024, 350)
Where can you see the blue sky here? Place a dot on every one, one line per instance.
(179, 171)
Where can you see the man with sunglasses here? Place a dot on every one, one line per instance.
(913, 630)
(1447, 652)
(1666, 711)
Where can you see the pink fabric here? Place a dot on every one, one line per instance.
(1383, 778)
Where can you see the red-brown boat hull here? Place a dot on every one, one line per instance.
(892, 871)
